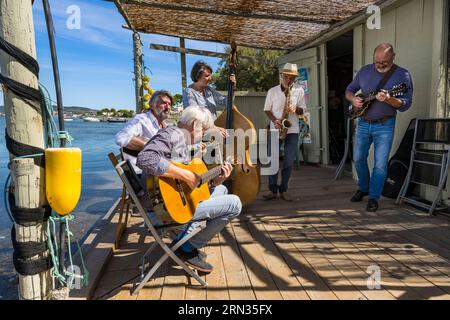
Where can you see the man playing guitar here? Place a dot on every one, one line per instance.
(171, 144)
(378, 123)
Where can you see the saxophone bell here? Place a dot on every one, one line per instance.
(286, 124)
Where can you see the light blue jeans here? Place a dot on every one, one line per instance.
(290, 150)
(219, 209)
(381, 135)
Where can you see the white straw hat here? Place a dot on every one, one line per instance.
(290, 68)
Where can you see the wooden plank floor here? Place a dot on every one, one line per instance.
(320, 246)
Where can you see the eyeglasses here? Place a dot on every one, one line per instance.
(384, 63)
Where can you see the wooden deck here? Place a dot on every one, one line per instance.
(320, 246)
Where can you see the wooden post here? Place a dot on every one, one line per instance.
(24, 125)
(137, 50)
(183, 64)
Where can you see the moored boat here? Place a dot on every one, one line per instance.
(91, 119)
(117, 120)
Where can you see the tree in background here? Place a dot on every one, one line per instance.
(257, 74)
(177, 99)
(125, 113)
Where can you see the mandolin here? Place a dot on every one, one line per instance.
(180, 201)
(368, 99)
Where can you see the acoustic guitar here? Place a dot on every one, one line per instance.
(180, 201)
(368, 99)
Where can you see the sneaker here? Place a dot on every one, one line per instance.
(358, 196)
(270, 196)
(202, 254)
(193, 260)
(372, 205)
(286, 196)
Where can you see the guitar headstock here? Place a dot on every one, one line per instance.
(398, 90)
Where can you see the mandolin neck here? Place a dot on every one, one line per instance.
(373, 95)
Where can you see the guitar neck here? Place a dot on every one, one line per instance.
(210, 174)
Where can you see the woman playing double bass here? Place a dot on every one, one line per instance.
(200, 93)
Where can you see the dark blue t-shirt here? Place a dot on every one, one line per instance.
(367, 80)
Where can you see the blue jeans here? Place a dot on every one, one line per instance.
(219, 209)
(381, 135)
(290, 150)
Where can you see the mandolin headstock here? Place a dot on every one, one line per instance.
(398, 90)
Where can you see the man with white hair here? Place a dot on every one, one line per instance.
(170, 144)
(377, 125)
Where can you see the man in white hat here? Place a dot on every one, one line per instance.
(274, 107)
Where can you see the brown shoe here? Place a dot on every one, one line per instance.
(286, 196)
(270, 196)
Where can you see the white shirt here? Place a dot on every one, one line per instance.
(143, 125)
(275, 102)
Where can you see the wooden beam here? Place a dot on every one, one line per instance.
(137, 54)
(163, 47)
(226, 12)
(196, 52)
(24, 125)
(123, 13)
(183, 64)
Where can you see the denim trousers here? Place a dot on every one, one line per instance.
(381, 135)
(290, 150)
(219, 209)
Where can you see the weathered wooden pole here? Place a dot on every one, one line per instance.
(24, 125)
(183, 64)
(137, 50)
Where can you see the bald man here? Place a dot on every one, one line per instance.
(377, 125)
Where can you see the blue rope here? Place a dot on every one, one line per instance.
(51, 133)
(69, 275)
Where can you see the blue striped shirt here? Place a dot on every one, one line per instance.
(168, 144)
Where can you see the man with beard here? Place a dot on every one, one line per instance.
(377, 125)
(139, 130)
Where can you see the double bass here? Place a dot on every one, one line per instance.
(245, 180)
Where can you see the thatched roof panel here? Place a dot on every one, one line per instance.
(278, 24)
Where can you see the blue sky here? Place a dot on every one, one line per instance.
(96, 61)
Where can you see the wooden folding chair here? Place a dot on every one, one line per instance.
(124, 202)
(159, 231)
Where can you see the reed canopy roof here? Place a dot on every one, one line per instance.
(269, 24)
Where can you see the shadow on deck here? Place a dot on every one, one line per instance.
(320, 246)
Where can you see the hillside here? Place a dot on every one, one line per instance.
(73, 109)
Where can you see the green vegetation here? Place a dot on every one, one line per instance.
(177, 98)
(105, 112)
(257, 74)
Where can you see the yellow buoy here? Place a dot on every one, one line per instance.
(63, 178)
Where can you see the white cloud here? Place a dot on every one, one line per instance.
(100, 24)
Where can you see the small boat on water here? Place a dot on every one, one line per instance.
(91, 119)
(117, 120)
(68, 119)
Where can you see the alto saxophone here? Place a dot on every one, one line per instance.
(285, 123)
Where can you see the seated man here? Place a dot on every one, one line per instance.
(133, 137)
(171, 143)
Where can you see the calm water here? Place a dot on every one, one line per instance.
(100, 188)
